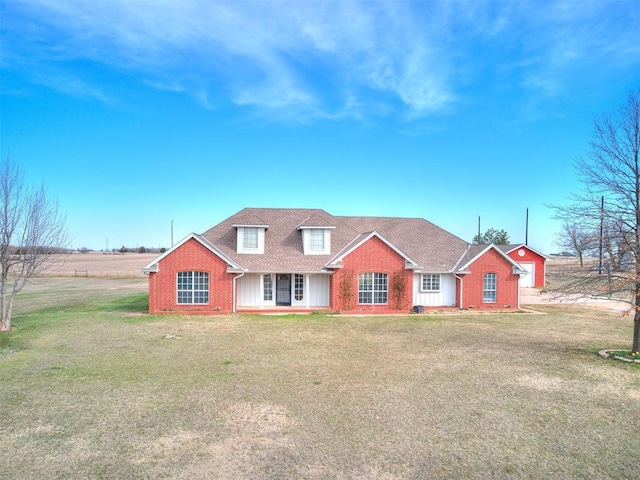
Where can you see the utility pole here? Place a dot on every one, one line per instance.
(526, 230)
(601, 232)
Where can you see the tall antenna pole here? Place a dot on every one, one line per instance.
(172, 233)
(526, 231)
(479, 229)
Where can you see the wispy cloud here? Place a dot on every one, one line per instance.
(321, 58)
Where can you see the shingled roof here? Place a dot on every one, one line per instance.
(430, 247)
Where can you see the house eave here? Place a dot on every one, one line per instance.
(315, 227)
(262, 225)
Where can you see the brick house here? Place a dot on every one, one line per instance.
(268, 259)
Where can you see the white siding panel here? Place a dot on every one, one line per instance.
(248, 292)
(319, 290)
(446, 297)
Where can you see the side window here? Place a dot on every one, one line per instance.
(430, 282)
(489, 285)
(193, 287)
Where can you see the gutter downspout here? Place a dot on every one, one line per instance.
(461, 289)
(520, 278)
(233, 307)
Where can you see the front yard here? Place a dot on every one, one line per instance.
(91, 387)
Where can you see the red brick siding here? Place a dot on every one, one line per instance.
(372, 256)
(192, 255)
(506, 283)
(532, 257)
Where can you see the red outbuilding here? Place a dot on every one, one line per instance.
(533, 262)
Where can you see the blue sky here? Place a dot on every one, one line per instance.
(137, 113)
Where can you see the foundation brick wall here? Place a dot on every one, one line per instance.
(192, 255)
(372, 256)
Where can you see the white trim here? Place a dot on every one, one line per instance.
(237, 225)
(461, 305)
(422, 289)
(317, 227)
(306, 241)
(240, 233)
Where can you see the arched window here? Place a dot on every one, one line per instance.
(372, 288)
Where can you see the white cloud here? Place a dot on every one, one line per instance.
(322, 57)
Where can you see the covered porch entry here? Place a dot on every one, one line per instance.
(283, 290)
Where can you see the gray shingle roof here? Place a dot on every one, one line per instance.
(431, 247)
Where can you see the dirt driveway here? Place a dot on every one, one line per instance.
(534, 296)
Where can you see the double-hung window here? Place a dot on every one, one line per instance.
(489, 283)
(372, 288)
(250, 238)
(316, 240)
(430, 282)
(193, 287)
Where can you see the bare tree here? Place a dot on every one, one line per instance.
(31, 229)
(611, 171)
(576, 239)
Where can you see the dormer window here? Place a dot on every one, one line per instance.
(250, 238)
(316, 241)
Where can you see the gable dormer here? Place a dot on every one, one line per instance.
(316, 240)
(250, 238)
(316, 234)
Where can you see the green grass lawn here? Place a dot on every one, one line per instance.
(92, 387)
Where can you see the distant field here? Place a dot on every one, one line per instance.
(126, 265)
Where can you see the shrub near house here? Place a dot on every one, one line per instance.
(264, 259)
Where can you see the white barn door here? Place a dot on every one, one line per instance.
(529, 279)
